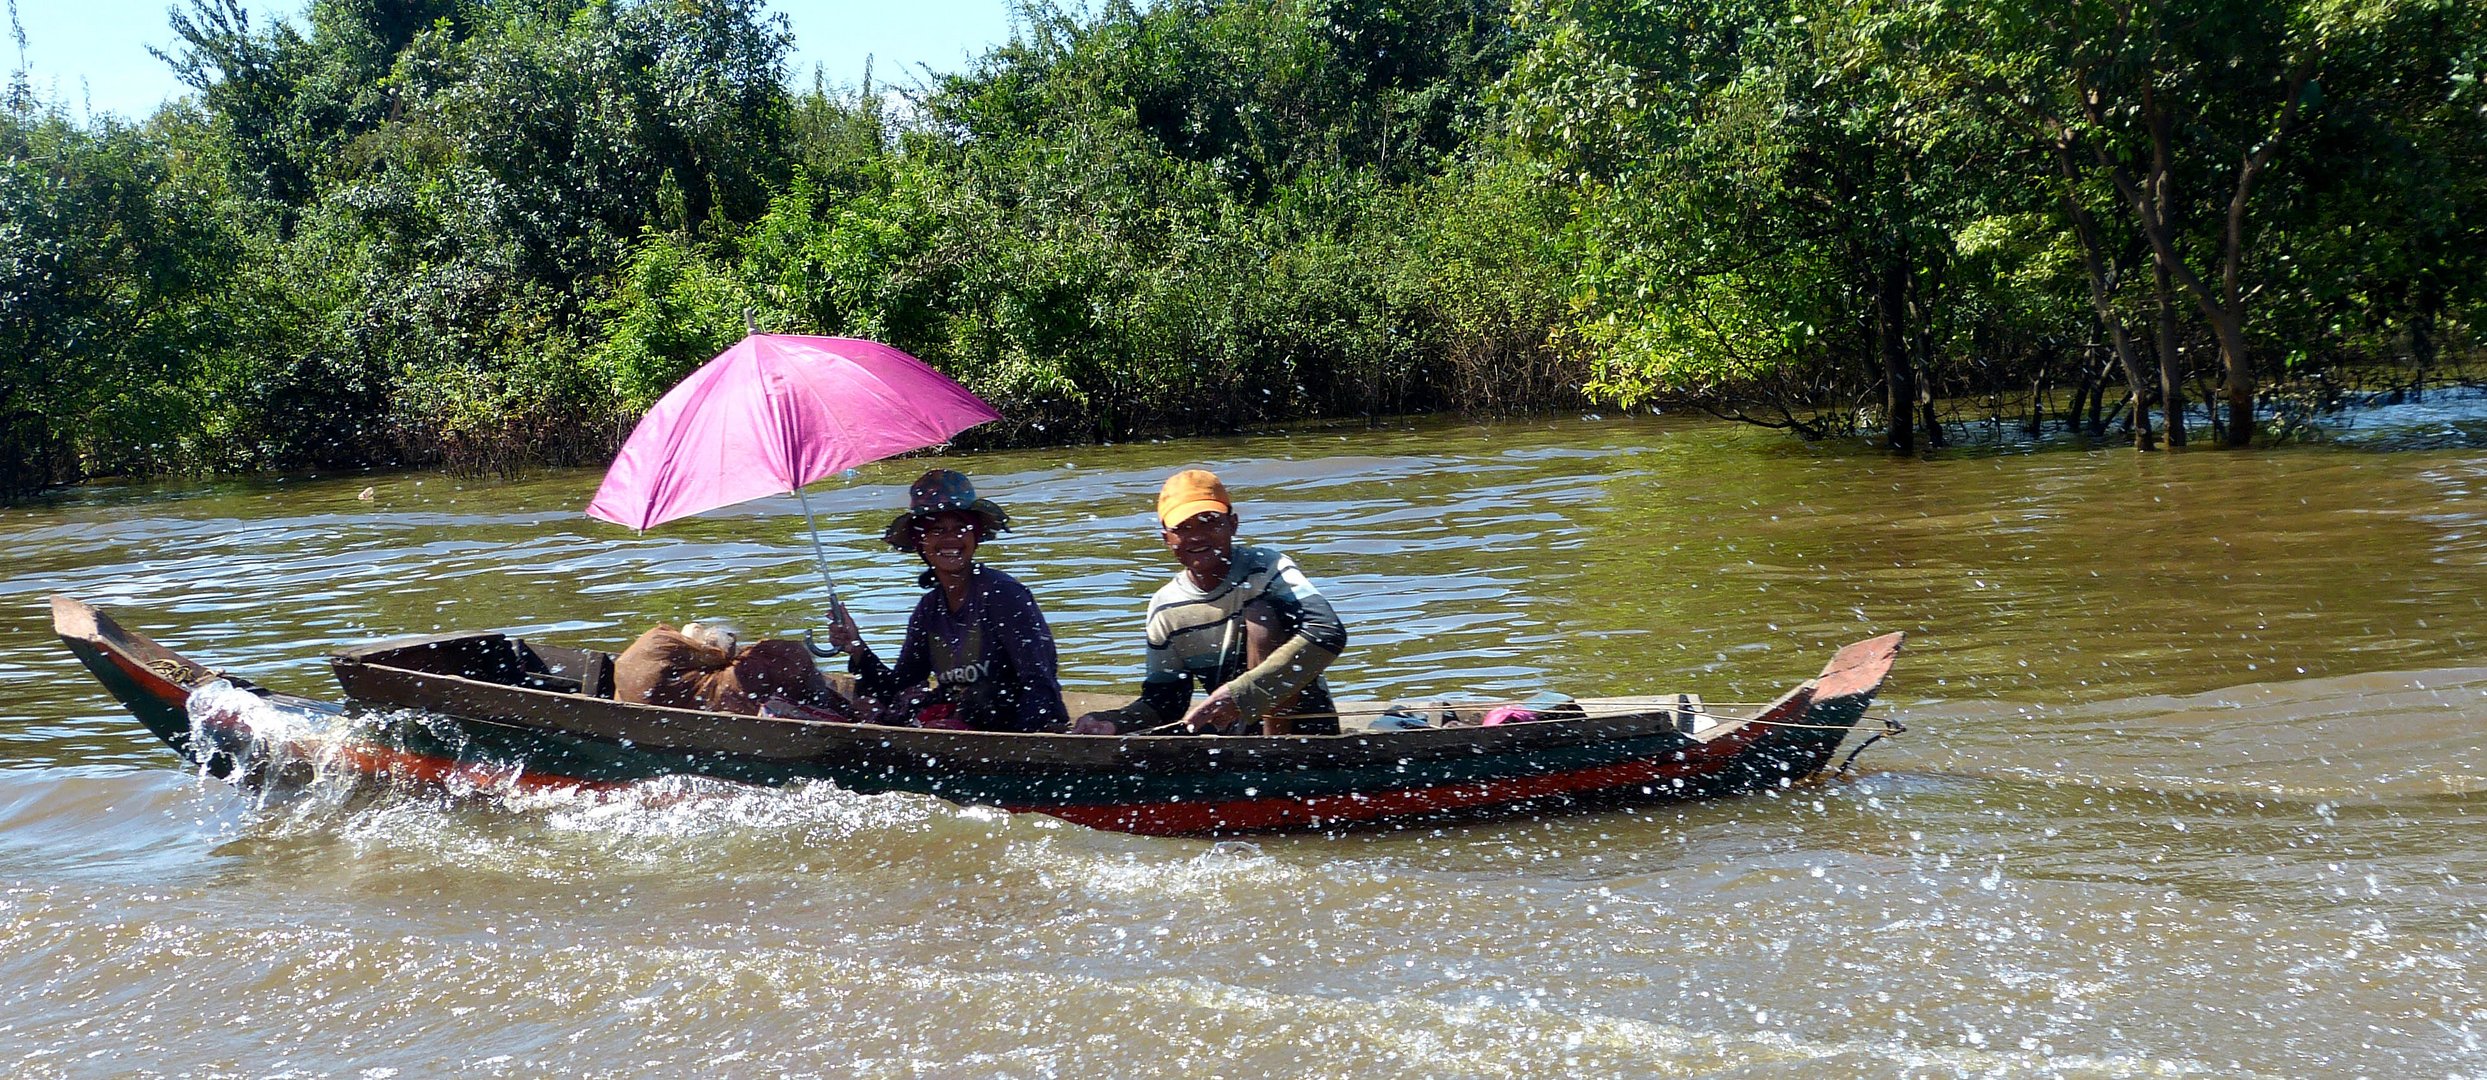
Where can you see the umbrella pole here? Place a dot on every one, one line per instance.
(819, 554)
(821, 558)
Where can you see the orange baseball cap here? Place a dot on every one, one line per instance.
(1192, 491)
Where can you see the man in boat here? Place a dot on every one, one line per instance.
(1241, 622)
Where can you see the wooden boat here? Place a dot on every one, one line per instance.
(489, 709)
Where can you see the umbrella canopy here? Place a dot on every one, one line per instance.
(774, 413)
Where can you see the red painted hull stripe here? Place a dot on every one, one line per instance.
(1170, 818)
(372, 759)
(390, 763)
(1316, 810)
(1161, 818)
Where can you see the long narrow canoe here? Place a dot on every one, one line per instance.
(491, 709)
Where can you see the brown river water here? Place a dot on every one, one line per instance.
(2195, 781)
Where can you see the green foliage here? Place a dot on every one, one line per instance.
(106, 257)
(426, 206)
(1486, 264)
(1110, 225)
(2278, 159)
(673, 311)
(1784, 208)
(488, 234)
(1738, 196)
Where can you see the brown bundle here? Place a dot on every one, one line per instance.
(671, 668)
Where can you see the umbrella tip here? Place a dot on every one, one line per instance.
(751, 323)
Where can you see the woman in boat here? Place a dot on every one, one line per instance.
(977, 652)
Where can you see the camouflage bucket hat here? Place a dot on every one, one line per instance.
(943, 491)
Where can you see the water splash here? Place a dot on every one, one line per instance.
(274, 753)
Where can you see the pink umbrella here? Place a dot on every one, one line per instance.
(774, 413)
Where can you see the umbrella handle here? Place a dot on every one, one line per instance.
(814, 646)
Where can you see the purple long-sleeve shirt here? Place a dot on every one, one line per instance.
(1014, 677)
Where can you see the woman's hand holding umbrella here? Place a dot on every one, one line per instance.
(842, 634)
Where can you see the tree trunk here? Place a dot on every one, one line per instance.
(2237, 383)
(2083, 389)
(1935, 439)
(1899, 376)
(1921, 347)
(2098, 398)
(2171, 373)
(2171, 386)
(2102, 285)
(2036, 425)
(2136, 387)
(2225, 307)
(2422, 345)
(2098, 401)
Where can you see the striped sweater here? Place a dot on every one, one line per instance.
(1196, 640)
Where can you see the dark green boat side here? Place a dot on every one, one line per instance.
(489, 707)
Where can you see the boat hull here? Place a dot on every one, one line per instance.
(485, 709)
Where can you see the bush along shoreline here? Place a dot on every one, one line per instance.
(487, 236)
